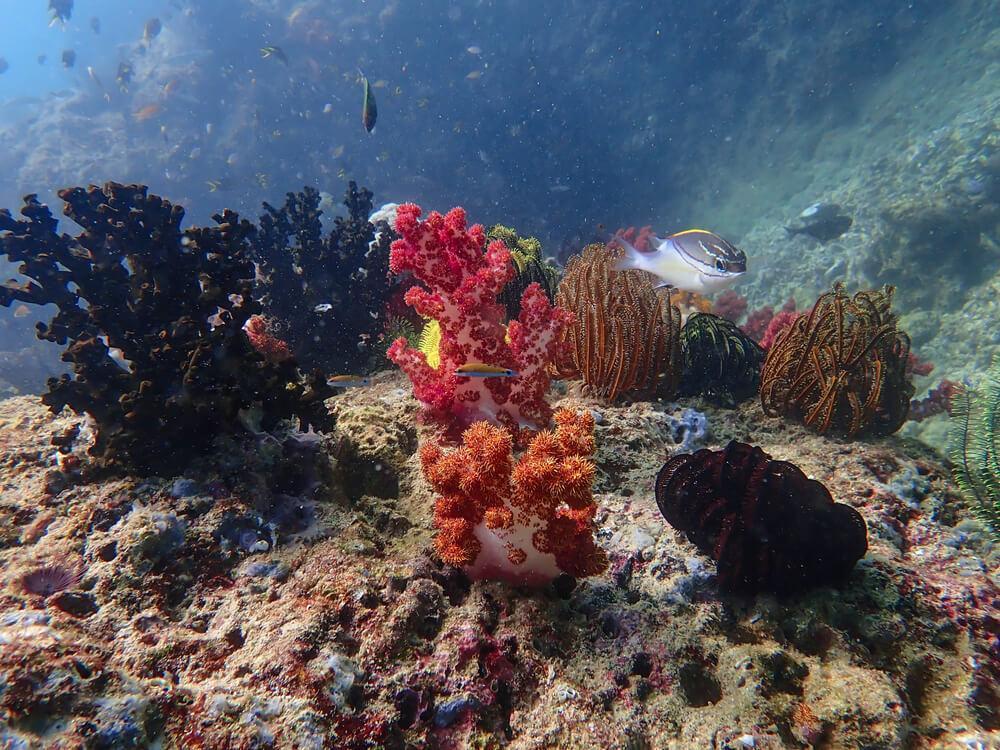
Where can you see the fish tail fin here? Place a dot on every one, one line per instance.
(632, 259)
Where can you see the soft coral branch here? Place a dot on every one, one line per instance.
(461, 283)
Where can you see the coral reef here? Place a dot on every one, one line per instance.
(975, 444)
(462, 283)
(625, 337)
(721, 362)
(159, 356)
(328, 292)
(525, 522)
(842, 367)
(767, 526)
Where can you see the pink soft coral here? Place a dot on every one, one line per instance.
(461, 287)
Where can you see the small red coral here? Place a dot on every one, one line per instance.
(917, 366)
(526, 521)
(269, 346)
(730, 305)
(937, 401)
(758, 320)
(776, 327)
(640, 239)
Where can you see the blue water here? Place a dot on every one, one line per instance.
(558, 119)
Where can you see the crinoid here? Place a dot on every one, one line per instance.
(529, 268)
(842, 367)
(721, 362)
(765, 523)
(626, 336)
(975, 444)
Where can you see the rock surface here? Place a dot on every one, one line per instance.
(225, 610)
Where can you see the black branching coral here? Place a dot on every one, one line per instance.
(767, 526)
(153, 317)
(326, 293)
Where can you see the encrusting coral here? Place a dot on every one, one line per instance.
(841, 368)
(159, 355)
(328, 292)
(975, 444)
(525, 522)
(721, 362)
(767, 526)
(461, 284)
(625, 337)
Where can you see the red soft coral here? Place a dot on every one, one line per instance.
(461, 283)
(269, 346)
(523, 522)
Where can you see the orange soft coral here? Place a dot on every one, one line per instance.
(526, 521)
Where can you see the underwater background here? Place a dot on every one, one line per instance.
(289, 461)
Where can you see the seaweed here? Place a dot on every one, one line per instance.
(328, 292)
(721, 362)
(153, 316)
(975, 445)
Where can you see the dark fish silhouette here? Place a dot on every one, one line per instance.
(822, 221)
(4, 66)
(274, 51)
(68, 58)
(61, 11)
(369, 110)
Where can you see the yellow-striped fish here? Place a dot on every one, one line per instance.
(479, 370)
(348, 381)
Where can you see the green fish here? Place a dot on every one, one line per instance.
(275, 52)
(369, 110)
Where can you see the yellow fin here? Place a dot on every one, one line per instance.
(430, 341)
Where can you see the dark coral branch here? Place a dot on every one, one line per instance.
(329, 292)
(153, 316)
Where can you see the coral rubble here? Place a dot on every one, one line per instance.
(159, 357)
(525, 522)
(842, 367)
(767, 526)
(625, 337)
(461, 284)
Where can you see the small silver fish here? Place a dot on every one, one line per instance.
(323, 307)
(348, 381)
(694, 260)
